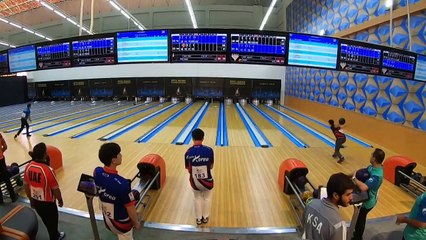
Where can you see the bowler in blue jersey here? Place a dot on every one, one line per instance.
(115, 195)
(199, 161)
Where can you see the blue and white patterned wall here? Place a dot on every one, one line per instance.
(397, 100)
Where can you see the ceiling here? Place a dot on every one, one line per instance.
(31, 13)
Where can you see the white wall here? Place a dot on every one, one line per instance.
(163, 70)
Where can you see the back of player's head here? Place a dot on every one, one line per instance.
(342, 121)
(107, 152)
(197, 134)
(28, 105)
(339, 183)
(39, 152)
(379, 155)
(331, 122)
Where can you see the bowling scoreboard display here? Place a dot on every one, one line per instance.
(4, 66)
(142, 46)
(420, 68)
(94, 51)
(398, 63)
(258, 48)
(22, 59)
(359, 57)
(312, 51)
(53, 56)
(199, 47)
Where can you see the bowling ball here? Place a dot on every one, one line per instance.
(14, 170)
(300, 182)
(362, 174)
(416, 176)
(342, 121)
(136, 195)
(315, 194)
(306, 196)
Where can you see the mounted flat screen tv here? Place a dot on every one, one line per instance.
(420, 68)
(93, 51)
(54, 55)
(142, 46)
(199, 47)
(4, 65)
(312, 51)
(22, 59)
(258, 48)
(359, 57)
(398, 63)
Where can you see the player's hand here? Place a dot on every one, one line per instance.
(137, 226)
(60, 202)
(400, 219)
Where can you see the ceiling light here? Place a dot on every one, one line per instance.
(191, 13)
(265, 19)
(4, 20)
(126, 14)
(46, 5)
(114, 5)
(15, 25)
(388, 3)
(27, 30)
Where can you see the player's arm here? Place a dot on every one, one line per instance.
(131, 210)
(411, 221)
(340, 231)
(3, 143)
(362, 186)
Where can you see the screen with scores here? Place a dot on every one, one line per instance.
(312, 51)
(4, 66)
(199, 47)
(22, 59)
(356, 57)
(420, 68)
(258, 48)
(53, 56)
(96, 51)
(143, 46)
(398, 64)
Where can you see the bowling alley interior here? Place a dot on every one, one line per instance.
(262, 79)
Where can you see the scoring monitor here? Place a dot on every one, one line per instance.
(53, 56)
(199, 47)
(398, 63)
(22, 59)
(94, 51)
(4, 66)
(420, 68)
(359, 57)
(312, 51)
(258, 48)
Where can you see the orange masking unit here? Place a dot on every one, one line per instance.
(393, 164)
(149, 166)
(293, 169)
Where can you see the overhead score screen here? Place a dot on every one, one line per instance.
(96, 51)
(142, 46)
(420, 68)
(356, 57)
(22, 59)
(199, 47)
(312, 51)
(258, 48)
(54, 56)
(4, 66)
(398, 64)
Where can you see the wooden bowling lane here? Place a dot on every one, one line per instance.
(246, 193)
(169, 133)
(209, 124)
(131, 110)
(319, 127)
(81, 117)
(237, 132)
(145, 127)
(303, 135)
(77, 110)
(275, 137)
